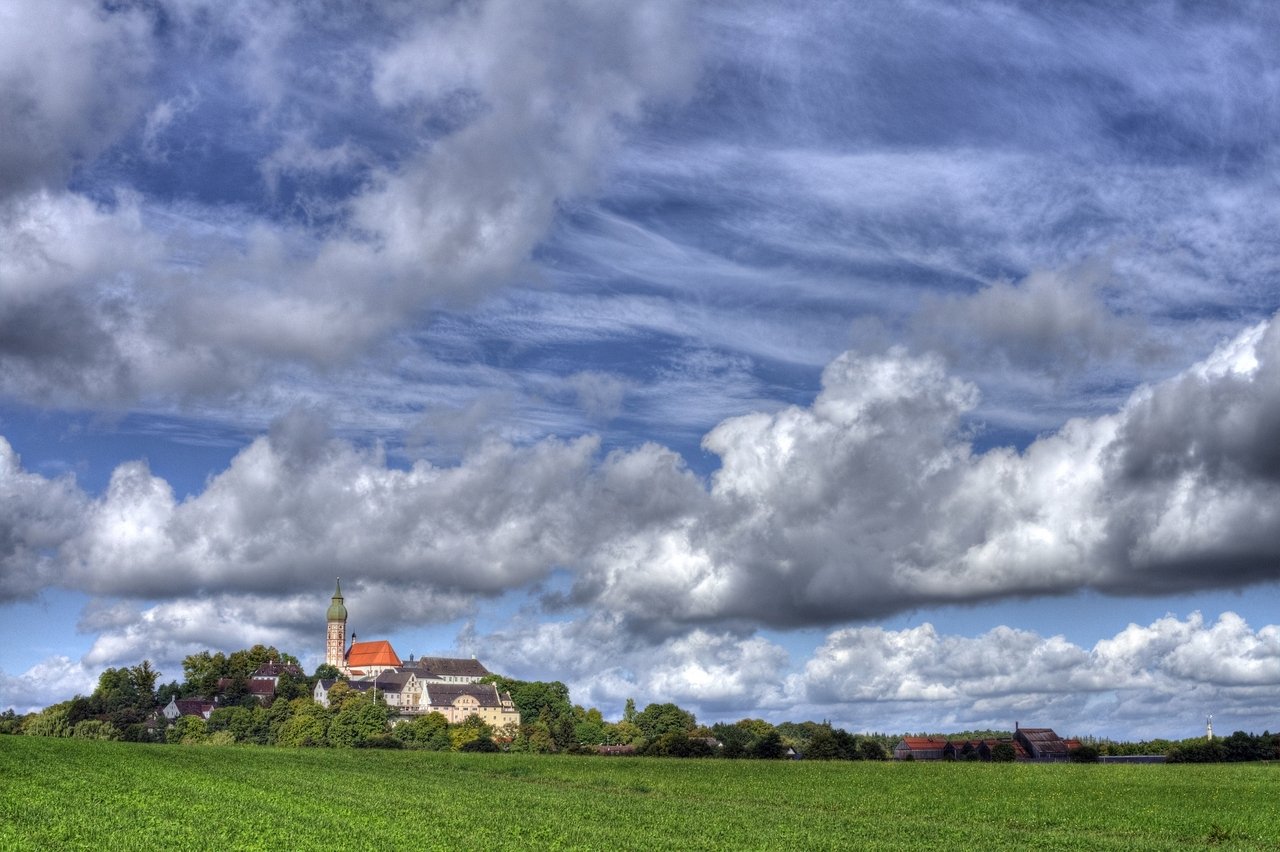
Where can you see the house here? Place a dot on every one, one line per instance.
(919, 748)
(272, 671)
(457, 701)
(187, 707)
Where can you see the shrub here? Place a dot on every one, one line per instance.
(1085, 754)
(482, 744)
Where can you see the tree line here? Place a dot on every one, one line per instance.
(126, 705)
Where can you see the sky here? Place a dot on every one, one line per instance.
(913, 366)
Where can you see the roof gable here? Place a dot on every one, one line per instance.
(366, 654)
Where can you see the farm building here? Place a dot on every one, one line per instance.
(1041, 743)
(1029, 744)
(919, 748)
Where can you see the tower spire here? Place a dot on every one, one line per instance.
(336, 633)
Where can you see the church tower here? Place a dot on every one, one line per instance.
(336, 643)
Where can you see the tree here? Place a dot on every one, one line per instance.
(339, 693)
(307, 725)
(324, 671)
(117, 689)
(1085, 754)
(144, 684)
(623, 733)
(676, 743)
(470, 728)
(95, 729)
(769, 747)
(823, 746)
(10, 722)
(359, 719)
(658, 719)
(245, 724)
(49, 722)
(1003, 753)
(535, 738)
(590, 727)
(481, 744)
(169, 691)
(202, 671)
(246, 662)
(532, 696)
(274, 717)
(429, 732)
(187, 730)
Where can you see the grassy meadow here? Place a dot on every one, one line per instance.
(74, 794)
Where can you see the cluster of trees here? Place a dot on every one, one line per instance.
(352, 720)
(126, 704)
(1240, 746)
(126, 701)
(1236, 748)
(551, 723)
(119, 708)
(227, 676)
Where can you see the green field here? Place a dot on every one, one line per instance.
(73, 794)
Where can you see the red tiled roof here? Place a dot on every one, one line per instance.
(924, 742)
(379, 653)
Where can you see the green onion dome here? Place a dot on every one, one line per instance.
(337, 612)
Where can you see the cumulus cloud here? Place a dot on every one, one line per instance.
(47, 682)
(919, 679)
(720, 673)
(1051, 323)
(37, 516)
(872, 501)
(869, 501)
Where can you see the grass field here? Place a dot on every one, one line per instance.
(72, 794)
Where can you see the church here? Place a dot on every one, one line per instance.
(444, 685)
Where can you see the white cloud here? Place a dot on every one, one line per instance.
(37, 515)
(918, 679)
(68, 78)
(1050, 322)
(153, 298)
(48, 682)
(868, 501)
(718, 673)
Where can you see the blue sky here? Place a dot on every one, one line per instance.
(904, 365)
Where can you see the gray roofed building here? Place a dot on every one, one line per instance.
(1041, 743)
(446, 669)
